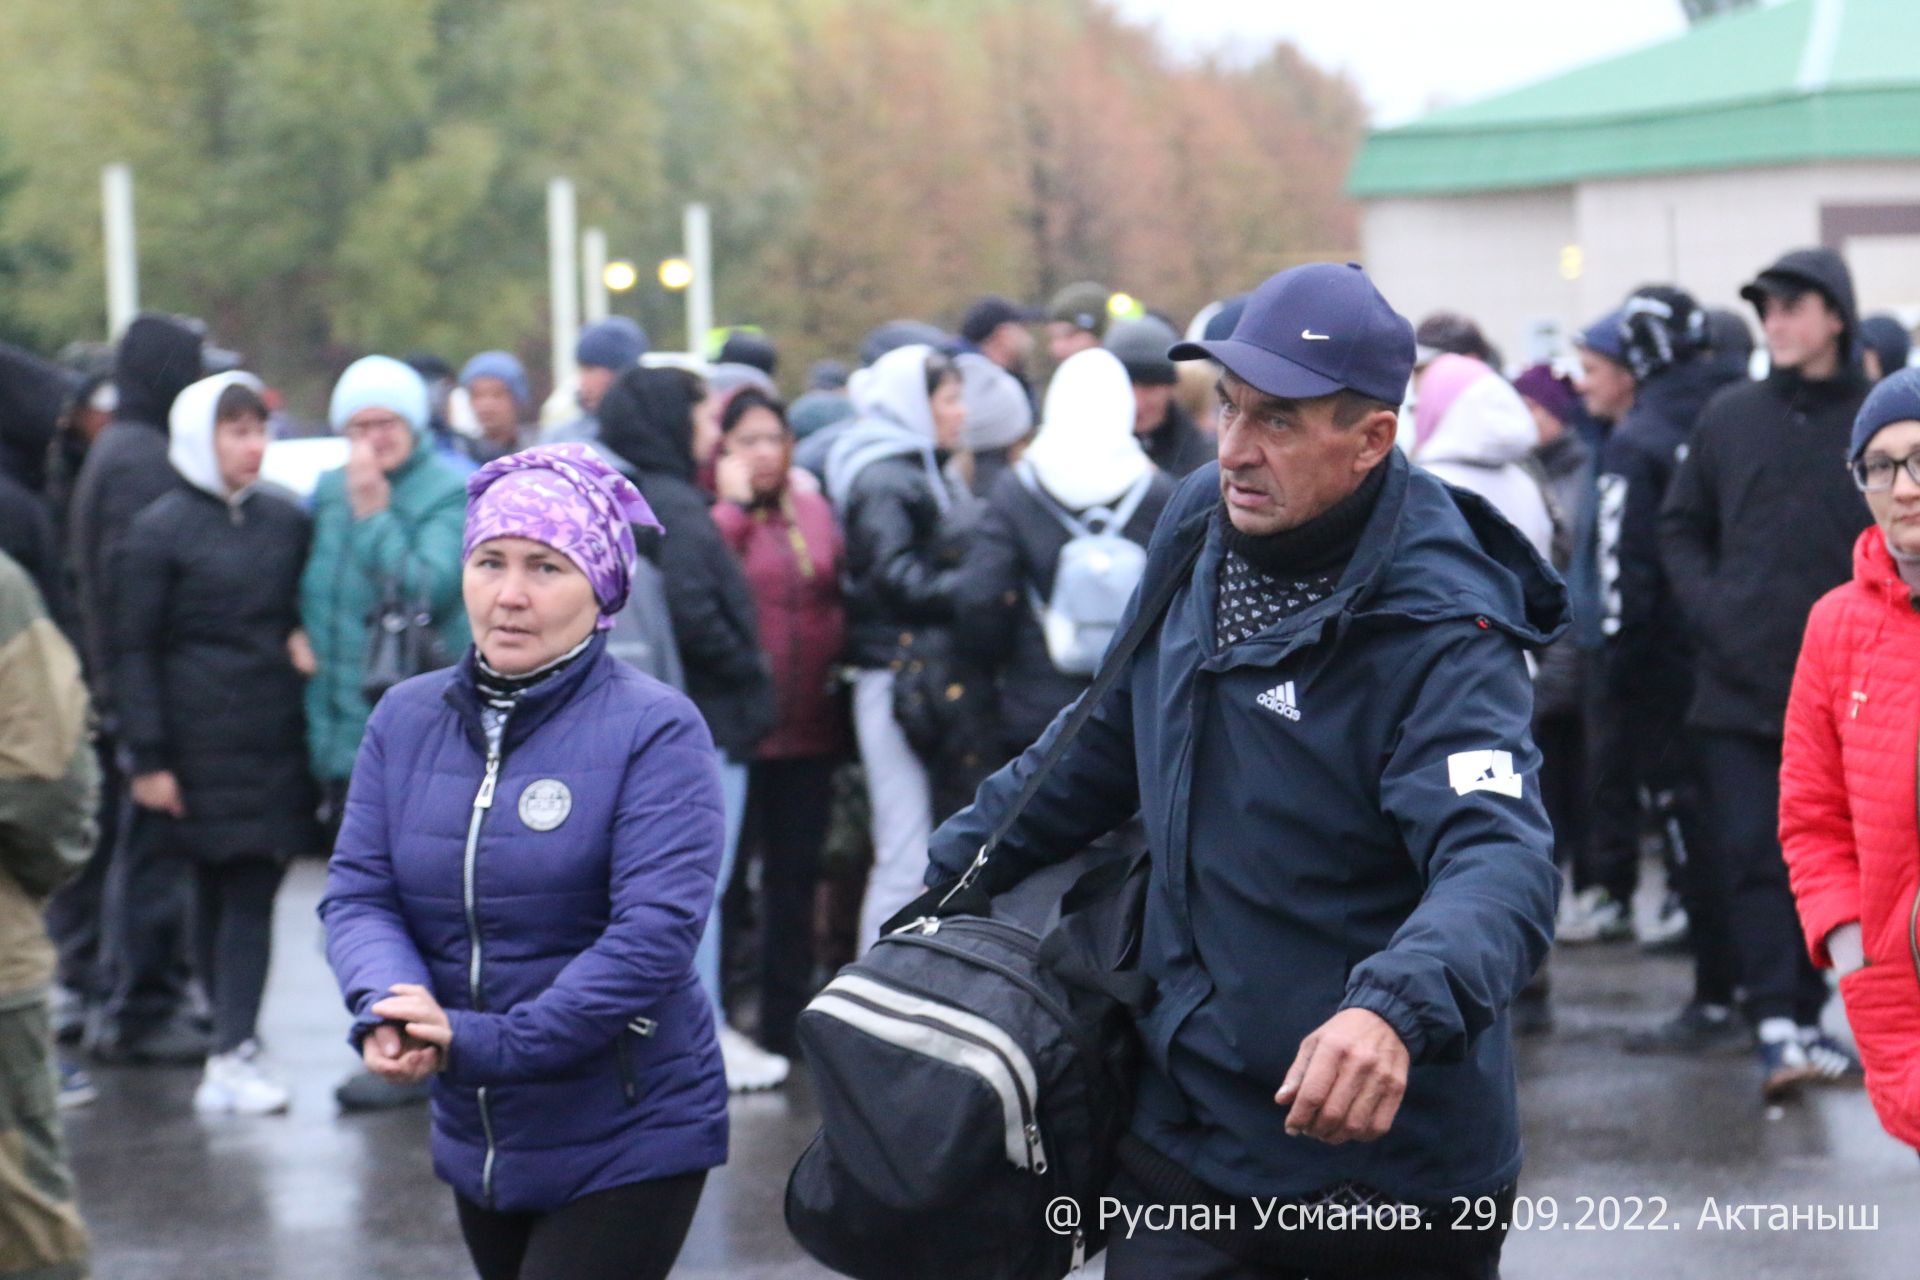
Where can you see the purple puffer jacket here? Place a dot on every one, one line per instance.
(555, 919)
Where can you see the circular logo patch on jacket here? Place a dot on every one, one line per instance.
(545, 804)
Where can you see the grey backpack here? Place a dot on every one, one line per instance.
(1094, 576)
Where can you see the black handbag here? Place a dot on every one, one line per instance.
(401, 641)
(927, 691)
(976, 1067)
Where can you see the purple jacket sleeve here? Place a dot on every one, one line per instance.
(368, 944)
(668, 831)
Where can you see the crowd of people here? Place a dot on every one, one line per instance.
(864, 605)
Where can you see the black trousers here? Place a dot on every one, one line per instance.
(1563, 788)
(625, 1233)
(788, 805)
(1647, 763)
(233, 941)
(144, 921)
(75, 912)
(1743, 785)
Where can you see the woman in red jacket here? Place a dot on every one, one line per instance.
(789, 546)
(1849, 820)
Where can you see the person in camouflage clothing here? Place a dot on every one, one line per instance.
(48, 785)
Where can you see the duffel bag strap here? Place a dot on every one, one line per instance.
(1111, 669)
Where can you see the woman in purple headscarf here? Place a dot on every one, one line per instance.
(526, 864)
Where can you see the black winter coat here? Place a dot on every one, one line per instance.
(208, 596)
(1177, 446)
(900, 573)
(126, 469)
(26, 534)
(1015, 550)
(1759, 524)
(646, 418)
(1648, 657)
(1568, 464)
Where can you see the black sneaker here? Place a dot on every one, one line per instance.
(1697, 1028)
(365, 1091)
(1784, 1068)
(174, 1043)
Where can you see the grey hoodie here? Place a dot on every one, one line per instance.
(896, 420)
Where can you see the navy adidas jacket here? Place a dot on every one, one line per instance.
(554, 917)
(1343, 811)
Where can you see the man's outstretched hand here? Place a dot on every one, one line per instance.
(1347, 1081)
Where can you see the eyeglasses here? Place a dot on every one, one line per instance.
(1876, 474)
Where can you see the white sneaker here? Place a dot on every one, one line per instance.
(1591, 916)
(749, 1067)
(237, 1085)
(1669, 927)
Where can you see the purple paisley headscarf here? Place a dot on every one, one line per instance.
(566, 496)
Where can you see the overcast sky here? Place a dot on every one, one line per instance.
(1410, 55)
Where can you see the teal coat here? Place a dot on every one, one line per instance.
(416, 540)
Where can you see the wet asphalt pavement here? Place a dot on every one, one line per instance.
(316, 1196)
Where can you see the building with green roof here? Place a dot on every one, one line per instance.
(1694, 160)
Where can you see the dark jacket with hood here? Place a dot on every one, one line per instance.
(1762, 518)
(125, 470)
(1647, 654)
(1384, 847)
(646, 418)
(884, 479)
(26, 534)
(1011, 564)
(33, 392)
(209, 593)
(1178, 446)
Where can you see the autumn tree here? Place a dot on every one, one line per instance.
(320, 180)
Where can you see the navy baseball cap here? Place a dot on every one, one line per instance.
(1312, 331)
(1604, 337)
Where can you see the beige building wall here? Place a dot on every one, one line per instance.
(1497, 256)
(1713, 231)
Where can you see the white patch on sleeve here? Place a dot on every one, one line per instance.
(1470, 771)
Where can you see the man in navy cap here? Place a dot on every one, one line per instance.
(1327, 738)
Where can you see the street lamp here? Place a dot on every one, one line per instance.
(676, 273)
(620, 276)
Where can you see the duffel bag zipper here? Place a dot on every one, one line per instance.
(1014, 1082)
(1041, 996)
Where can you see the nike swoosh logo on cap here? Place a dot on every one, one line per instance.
(1311, 336)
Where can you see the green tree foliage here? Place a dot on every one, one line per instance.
(324, 179)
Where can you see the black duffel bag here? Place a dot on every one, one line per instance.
(978, 1063)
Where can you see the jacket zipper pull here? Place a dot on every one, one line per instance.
(1859, 700)
(485, 799)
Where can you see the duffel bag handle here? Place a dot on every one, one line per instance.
(1087, 949)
